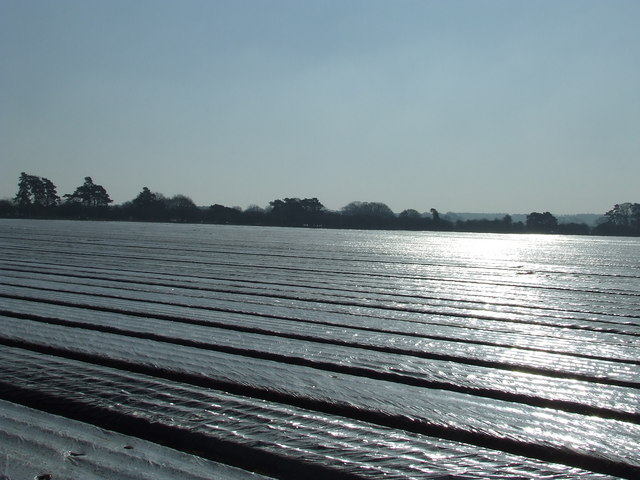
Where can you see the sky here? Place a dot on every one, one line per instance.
(461, 105)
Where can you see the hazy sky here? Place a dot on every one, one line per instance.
(469, 106)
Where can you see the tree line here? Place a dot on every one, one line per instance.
(37, 197)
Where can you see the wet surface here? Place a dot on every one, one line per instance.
(353, 353)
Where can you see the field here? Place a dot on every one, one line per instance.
(132, 350)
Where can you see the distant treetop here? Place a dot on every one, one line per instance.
(90, 194)
(37, 198)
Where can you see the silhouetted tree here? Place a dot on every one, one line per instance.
(541, 222)
(51, 198)
(296, 212)
(372, 209)
(409, 213)
(439, 223)
(622, 219)
(23, 197)
(145, 198)
(626, 214)
(368, 215)
(510, 226)
(90, 194)
(7, 208)
(410, 219)
(182, 209)
(37, 190)
(35, 195)
(254, 209)
(573, 228)
(148, 206)
(224, 215)
(484, 225)
(253, 215)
